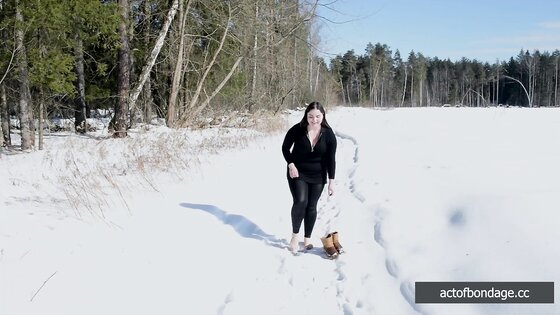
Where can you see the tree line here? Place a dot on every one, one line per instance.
(382, 78)
(180, 60)
(173, 59)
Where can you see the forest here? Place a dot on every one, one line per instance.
(382, 78)
(183, 61)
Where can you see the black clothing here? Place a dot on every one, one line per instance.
(305, 197)
(314, 164)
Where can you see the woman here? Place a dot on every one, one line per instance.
(310, 163)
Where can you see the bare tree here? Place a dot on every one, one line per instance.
(218, 88)
(153, 56)
(404, 85)
(255, 51)
(202, 79)
(41, 119)
(524, 89)
(556, 82)
(497, 83)
(80, 114)
(5, 139)
(123, 85)
(147, 89)
(24, 95)
(10, 64)
(530, 63)
(178, 72)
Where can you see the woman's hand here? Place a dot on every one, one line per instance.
(293, 170)
(331, 188)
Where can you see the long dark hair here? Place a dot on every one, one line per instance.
(310, 107)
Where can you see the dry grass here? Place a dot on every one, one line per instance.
(264, 121)
(106, 171)
(267, 122)
(92, 176)
(83, 191)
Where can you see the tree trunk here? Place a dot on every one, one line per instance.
(348, 93)
(24, 107)
(31, 116)
(382, 92)
(153, 56)
(177, 74)
(80, 101)
(412, 100)
(4, 117)
(41, 117)
(202, 80)
(123, 84)
(147, 90)
(556, 84)
(343, 92)
(309, 69)
(371, 80)
(220, 86)
(447, 87)
(5, 138)
(404, 86)
(10, 64)
(316, 82)
(375, 91)
(421, 91)
(147, 97)
(497, 85)
(255, 46)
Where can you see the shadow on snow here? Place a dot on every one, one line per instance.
(243, 226)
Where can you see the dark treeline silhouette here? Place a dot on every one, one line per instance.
(380, 77)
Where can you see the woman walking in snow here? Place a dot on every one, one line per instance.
(311, 162)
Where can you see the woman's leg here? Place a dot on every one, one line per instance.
(299, 190)
(314, 192)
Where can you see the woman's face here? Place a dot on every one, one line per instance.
(314, 118)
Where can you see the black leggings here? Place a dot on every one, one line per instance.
(305, 197)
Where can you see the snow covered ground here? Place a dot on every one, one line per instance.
(196, 222)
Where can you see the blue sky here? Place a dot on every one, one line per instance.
(485, 30)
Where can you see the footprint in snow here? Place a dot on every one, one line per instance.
(392, 267)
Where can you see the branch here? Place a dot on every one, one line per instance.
(217, 90)
(523, 86)
(353, 19)
(471, 90)
(9, 64)
(211, 64)
(295, 27)
(153, 56)
(42, 286)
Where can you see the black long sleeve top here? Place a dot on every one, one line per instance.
(314, 164)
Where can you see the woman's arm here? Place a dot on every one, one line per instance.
(331, 154)
(331, 161)
(287, 145)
